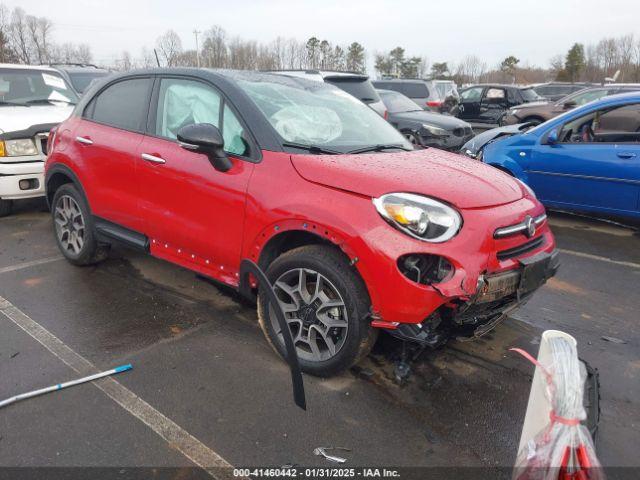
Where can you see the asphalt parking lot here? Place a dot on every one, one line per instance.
(207, 389)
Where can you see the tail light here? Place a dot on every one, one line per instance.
(434, 103)
(385, 115)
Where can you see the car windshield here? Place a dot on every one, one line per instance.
(318, 114)
(398, 103)
(32, 87)
(530, 95)
(584, 96)
(81, 80)
(360, 88)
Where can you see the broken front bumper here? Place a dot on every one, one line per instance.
(497, 295)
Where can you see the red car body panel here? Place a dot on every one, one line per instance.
(208, 221)
(464, 182)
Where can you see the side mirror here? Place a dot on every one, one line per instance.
(552, 137)
(569, 104)
(205, 138)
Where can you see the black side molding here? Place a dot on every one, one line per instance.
(109, 232)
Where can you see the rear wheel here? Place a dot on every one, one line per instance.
(73, 227)
(326, 306)
(6, 206)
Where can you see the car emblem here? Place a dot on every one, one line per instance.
(530, 225)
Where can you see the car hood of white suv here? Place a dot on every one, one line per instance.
(16, 118)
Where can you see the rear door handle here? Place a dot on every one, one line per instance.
(84, 140)
(626, 154)
(152, 158)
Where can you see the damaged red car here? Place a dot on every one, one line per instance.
(356, 230)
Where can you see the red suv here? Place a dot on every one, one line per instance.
(356, 231)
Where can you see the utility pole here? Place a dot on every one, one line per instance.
(196, 33)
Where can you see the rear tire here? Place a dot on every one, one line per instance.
(328, 316)
(73, 227)
(6, 207)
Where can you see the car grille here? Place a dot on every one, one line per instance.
(41, 140)
(521, 249)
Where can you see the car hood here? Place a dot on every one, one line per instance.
(453, 178)
(479, 141)
(13, 119)
(531, 105)
(446, 122)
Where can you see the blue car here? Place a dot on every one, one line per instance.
(586, 160)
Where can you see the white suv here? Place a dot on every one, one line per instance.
(32, 101)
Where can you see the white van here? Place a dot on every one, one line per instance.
(33, 100)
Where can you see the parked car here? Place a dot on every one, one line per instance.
(32, 101)
(487, 103)
(422, 92)
(585, 160)
(80, 75)
(427, 129)
(538, 112)
(553, 91)
(356, 230)
(474, 148)
(355, 84)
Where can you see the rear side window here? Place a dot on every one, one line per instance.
(123, 104)
(471, 94)
(415, 90)
(359, 88)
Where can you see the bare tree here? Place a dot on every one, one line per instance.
(19, 35)
(170, 47)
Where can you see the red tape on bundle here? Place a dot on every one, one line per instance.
(549, 378)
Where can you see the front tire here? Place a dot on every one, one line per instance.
(73, 227)
(326, 305)
(6, 207)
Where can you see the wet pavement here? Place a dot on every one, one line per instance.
(200, 359)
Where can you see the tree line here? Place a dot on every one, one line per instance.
(28, 39)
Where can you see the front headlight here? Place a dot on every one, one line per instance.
(433, 130)
(18, 148)
(420, 217)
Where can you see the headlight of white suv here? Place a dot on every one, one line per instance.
(420, 217)
(433, 130)
(18, 148)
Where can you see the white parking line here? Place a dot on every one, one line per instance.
(32, 263)
(600, 259)
(171, 432)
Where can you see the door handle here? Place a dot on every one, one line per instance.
(152, 158)
(84, 140)
(626, 154)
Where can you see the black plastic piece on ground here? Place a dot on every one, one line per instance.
(409, 332)
(248, 267)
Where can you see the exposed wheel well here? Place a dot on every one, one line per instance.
(54, 183)
(286, 241)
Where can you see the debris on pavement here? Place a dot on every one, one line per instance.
(60, 386)
(613, 339)
(322, 452)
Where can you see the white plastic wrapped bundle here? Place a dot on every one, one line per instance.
(563, 448)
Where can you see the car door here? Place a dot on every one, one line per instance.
(193, 213)
(107, 139)
(601, 175)
(493, 104)
(469, 106)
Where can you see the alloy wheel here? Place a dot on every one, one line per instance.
(70, 226)
(315, 312)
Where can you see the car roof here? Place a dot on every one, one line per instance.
(77, 67)
(401, 80)
(318, 74)
(500, 85)
(26, 67)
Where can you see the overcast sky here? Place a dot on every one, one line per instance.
(442, 30)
